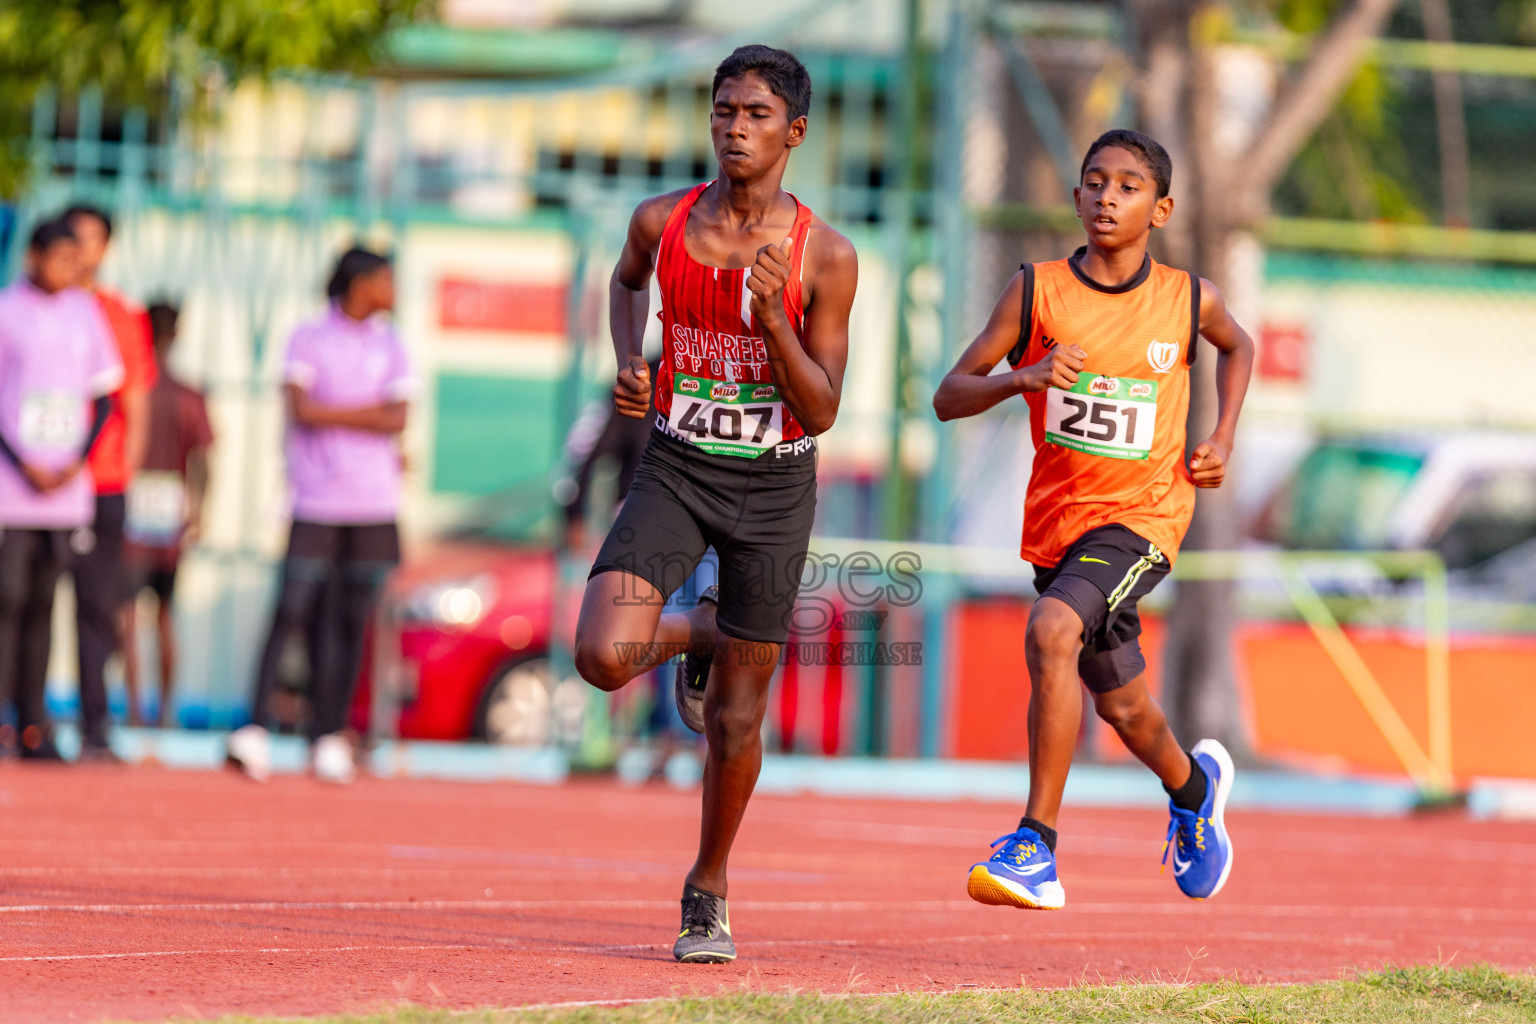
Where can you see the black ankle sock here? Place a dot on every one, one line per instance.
(1191, 795)
(1048, 834)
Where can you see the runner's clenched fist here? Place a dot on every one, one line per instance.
(632, 392)
(767, 279)
(1058, 369)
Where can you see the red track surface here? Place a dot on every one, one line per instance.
(147, 894)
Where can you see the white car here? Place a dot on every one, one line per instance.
(1469, 496)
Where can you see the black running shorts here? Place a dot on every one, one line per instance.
(756, 514)
(1101, 577)
(159, 580)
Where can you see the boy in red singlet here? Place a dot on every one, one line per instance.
(1100, 345)
(755, 296)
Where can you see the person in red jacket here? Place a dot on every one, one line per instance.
(100, 587)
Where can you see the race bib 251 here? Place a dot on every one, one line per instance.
(1112, 417)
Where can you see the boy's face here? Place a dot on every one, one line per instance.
(750, 127)
(380, 288)
(1117, 201)
(55, 268)
(92, 236)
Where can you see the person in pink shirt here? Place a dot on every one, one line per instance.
(347, 381)
(58, 364)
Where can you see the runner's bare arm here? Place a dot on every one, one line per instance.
(384, 418)
(1208, 463)
(629, 302)
(197, 493)
(808, 373)
(135, 406)
(971, 388)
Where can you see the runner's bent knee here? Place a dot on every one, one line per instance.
(601, 664)
(1054, 630)
(732, 728)
(1122, 708)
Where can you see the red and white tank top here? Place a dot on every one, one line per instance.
(715, 388)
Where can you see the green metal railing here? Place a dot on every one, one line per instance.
(235, 209)
(947, 569)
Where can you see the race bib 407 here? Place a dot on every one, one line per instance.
(1112, 417)
(727, 418)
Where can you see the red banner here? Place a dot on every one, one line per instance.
(510, 306)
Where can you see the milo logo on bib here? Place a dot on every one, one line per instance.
(1111, 417)
(735, 419)
(1103, 385)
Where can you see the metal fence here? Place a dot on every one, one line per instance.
(235, 209)
(921, 133)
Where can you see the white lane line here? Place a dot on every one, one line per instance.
(301, 906)
(1176, 909)
(595, 948)
(220, 952)
(277, 950)
(940, 838)
(274, 874)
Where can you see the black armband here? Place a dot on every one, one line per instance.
(101, 408)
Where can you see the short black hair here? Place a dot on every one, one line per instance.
(1147, 149)
(50, 232)
(88, 210)
(162, 321)
(786, 76)
(356, 262)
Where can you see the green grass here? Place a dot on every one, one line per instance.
(1421, 995)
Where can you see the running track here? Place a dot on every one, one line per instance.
(141, 893)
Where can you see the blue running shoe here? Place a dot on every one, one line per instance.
(1202, 850)
(1021, 873)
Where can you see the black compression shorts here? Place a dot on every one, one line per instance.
(756, 514)
(1101, 577)
(159, 580)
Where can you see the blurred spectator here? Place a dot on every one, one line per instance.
(600, 433)
(165, 508)
(100, 584)
(347, 380)
(58, 364)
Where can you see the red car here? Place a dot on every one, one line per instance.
(462, 648)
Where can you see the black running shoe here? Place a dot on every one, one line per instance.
(37, 745)
(97, 753)
(692, 675)
(706, 934)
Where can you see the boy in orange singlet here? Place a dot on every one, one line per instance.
(1100, 344)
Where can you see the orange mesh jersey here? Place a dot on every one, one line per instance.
(1111, 450)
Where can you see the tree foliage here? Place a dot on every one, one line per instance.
(1362, 164)
(134, 49)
